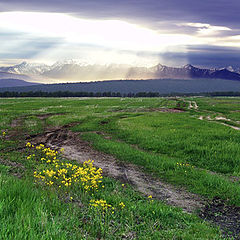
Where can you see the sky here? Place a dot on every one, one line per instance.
(204, 33)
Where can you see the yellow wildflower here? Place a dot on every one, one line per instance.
(122, 205)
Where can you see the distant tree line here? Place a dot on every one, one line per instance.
(110, 94)
(76, 94)
(59, 94)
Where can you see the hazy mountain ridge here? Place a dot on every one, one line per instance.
(135, 86)
(11, 82)
(75, 71)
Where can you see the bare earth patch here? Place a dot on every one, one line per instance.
(227, 217)
(16, 169)
(18, 122)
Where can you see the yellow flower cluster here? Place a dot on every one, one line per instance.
(122, 205)
(50, 153)
(184, 165)
(46, 155)
(64, 174)
(150, 198)
(3, 135)
(101, 205)
(31, 157)
(56, 172)
(29, 145)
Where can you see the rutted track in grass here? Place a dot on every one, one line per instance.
(219, 119)
(79, 150)
(76, 149)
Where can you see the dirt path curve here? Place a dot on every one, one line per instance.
(79, 150)
(216, 120)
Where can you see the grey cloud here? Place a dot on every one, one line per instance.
(219, 12)
(21, 45)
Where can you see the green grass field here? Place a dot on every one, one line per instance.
(162, 135)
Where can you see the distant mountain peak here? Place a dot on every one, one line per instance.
(188, 66)
(159, 67)
(24, 63)
(230, 68)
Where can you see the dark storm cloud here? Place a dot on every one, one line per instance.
(214, 56)
(206, 56)
(220, 12)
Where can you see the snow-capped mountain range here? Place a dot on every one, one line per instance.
(71, 70)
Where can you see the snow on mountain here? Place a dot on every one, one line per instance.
(72, 70)
(26, 68)
(230, 68)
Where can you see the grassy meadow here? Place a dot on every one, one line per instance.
(188, 147)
